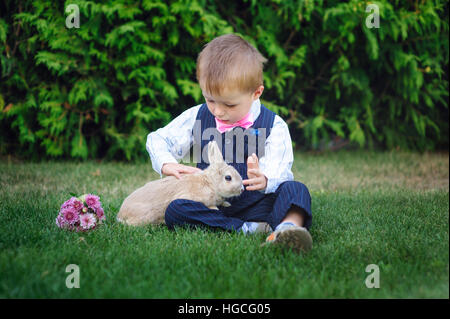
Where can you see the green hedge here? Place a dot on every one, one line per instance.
(98, 90)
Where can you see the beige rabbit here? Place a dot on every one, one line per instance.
(147, 204)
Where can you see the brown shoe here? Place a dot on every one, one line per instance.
(290, 236)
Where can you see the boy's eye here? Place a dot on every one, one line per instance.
(228, 105)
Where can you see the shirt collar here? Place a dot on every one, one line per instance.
(255, 109)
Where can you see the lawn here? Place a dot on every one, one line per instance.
(385, 208)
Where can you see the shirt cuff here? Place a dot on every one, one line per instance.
(163, 160)
(270, 187)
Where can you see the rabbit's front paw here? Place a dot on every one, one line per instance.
(213, 207)
(226, 204)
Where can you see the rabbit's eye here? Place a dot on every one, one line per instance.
(228, 178)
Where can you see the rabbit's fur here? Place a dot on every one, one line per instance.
(147, 205)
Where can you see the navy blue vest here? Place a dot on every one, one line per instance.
(235, 154)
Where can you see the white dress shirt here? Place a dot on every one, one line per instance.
(173, 142)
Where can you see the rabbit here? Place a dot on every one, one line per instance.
(147, 204)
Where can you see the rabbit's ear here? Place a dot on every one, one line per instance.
(214, 153)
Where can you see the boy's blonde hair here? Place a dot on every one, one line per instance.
(229, 62)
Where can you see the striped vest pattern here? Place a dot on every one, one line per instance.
(251, 140)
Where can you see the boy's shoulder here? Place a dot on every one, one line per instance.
(192, 111)
(194, 108)
(278, 120)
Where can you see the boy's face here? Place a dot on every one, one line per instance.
(231, 106)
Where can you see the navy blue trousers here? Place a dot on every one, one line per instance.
(272, 208)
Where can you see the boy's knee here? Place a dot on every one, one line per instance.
(172, 214)
(294, 187)
(175, 205)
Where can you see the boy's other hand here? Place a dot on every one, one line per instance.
(252, 163)
(256, 179)
(177, 170)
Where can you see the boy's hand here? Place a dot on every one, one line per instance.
(177, 170)
(256, 178)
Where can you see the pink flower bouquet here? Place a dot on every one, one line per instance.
(81, 214)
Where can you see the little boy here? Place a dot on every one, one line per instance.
(230, 74)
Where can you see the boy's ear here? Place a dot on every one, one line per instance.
(214, 153)
(258, 92)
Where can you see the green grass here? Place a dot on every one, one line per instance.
(389, 209)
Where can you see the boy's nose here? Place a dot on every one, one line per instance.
(219, 114)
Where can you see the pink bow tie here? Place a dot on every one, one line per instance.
(245, 122)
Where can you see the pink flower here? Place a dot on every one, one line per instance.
(73, 202)
(70, 215)
(100, 213)
(67, 203)
(87, 221)
(59, 221)
(81, 214)
(77, 204)
(92, 201)
(62, 223)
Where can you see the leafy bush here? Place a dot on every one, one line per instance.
(98, 90)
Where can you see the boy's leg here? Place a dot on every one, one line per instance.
(295, 215)
(291, 217)
(292, 204)
(181, 212)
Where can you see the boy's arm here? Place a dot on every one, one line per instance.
(171, 142)
(278, 156)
